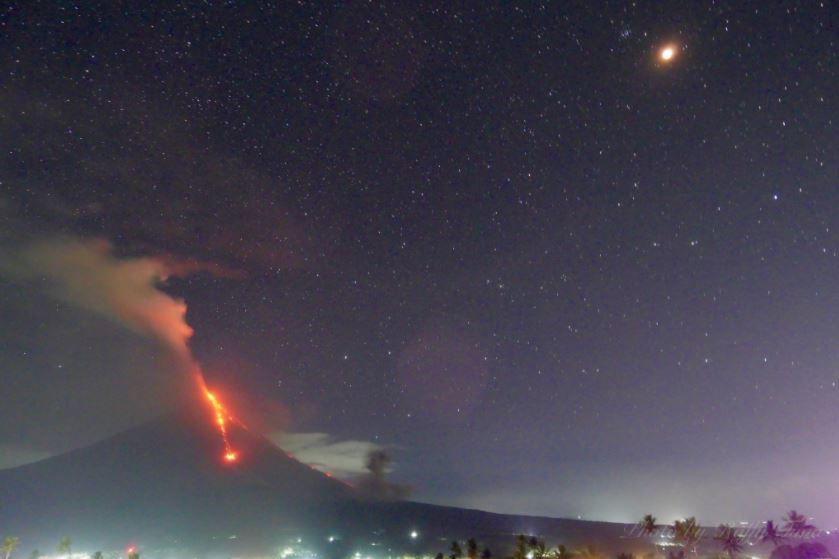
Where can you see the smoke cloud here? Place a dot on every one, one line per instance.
(93, 337)
(85, 273)
(375, 485)
(365, 464)
(345, 459)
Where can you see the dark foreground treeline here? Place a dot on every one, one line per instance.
(675, 541)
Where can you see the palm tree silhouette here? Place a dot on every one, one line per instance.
(562, 553)
(538, 550)
(772, 534)
(520, 551)
(457, 552)
(648, 525)
(730, 540)
(687, 532)
(472, 548)
(10, 543)
(797, 524)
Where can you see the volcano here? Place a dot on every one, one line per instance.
(162, 480)
(166, 484)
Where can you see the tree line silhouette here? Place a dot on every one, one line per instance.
(685, 533)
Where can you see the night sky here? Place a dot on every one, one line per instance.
(549, 270)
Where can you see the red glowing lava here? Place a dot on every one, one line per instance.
(230, 455)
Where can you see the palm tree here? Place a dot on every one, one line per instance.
(65, 546)
(537, 548)
(730, 540)
(772, 534)
(457, 552)
(562, 552)
(10, 543)
(648, 525)
(472, 548)
(797, 523)
(520, 551)
(687, 532)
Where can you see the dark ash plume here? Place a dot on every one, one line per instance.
(375, 486)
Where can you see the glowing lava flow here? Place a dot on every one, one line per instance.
(229, 454)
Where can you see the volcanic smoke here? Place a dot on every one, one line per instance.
(127, 291)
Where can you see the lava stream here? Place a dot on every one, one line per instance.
(230, 455)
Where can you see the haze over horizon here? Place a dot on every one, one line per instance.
(571, 259)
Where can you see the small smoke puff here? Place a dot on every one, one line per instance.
(375, 485)
(378, 462)
(86, 273)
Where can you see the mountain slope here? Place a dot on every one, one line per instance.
(166, 485)
(164, 479)
(166, 482)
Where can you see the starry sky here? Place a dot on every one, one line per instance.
(550, 270)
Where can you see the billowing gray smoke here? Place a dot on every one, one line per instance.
(374, 485)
